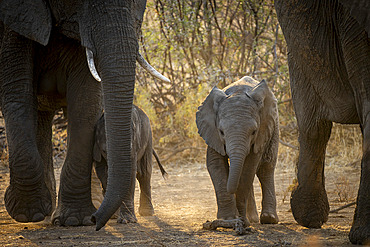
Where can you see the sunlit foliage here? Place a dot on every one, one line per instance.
(204, 43)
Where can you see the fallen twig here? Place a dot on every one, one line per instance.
(354, 162)
(236, 224)
(288, 145)
(342, 207)
(284, 101)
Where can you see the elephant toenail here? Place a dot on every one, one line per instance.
(38, 217)
(72, 221)
(87, 221)
(21, 218)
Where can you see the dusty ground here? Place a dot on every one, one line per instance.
(183, 203)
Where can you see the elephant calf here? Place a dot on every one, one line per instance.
(240, 125)
(141, 153)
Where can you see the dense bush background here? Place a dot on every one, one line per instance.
(200, 44)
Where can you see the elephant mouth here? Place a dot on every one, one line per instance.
(139, 58)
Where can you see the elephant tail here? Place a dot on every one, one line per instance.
(163, 171)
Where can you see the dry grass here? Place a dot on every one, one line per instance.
(344, 150)
(344, 189)
(343, 153)
(345, 146)
(186, 200)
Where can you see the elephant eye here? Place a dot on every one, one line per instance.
(254, 132)
(222, 133)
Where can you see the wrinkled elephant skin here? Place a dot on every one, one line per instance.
(43, 68)
(141, 153)
(240, 124)
(329, 63)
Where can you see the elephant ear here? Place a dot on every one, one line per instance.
(30, 18)
(267, 105)
(360, 10)
(206, 120)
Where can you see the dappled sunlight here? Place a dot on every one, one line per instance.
(182, 203)
(186, 200)
(344, 147)
(219, 44)
(113, 231)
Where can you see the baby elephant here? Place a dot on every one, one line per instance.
(141, 154)
(240, 125)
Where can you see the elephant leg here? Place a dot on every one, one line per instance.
(309, 201)
(356, 53)
(27, 198)
(45, 147)
(144, 177)
(127, 209)
(218, 169)
(265, 174)
(360, 231)
(252, 213)
(75, 205)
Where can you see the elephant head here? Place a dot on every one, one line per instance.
(108, 29)
(236, 122)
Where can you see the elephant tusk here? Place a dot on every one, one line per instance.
(90, 61)
(150, 69)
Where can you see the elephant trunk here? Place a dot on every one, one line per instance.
(116, 62)
(238, 152)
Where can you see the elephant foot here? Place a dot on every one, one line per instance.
(360, 231)
(360, 235)
(269, 218)
(310, 208)
(227, 217)
(28, 205)
(252, 217)
(227, 213)
(69, 216)
(127, 213)
(127, 218)
(146, 210)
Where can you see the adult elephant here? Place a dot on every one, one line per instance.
(329, 63)
(43, 67)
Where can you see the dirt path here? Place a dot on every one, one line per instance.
(182, 204)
